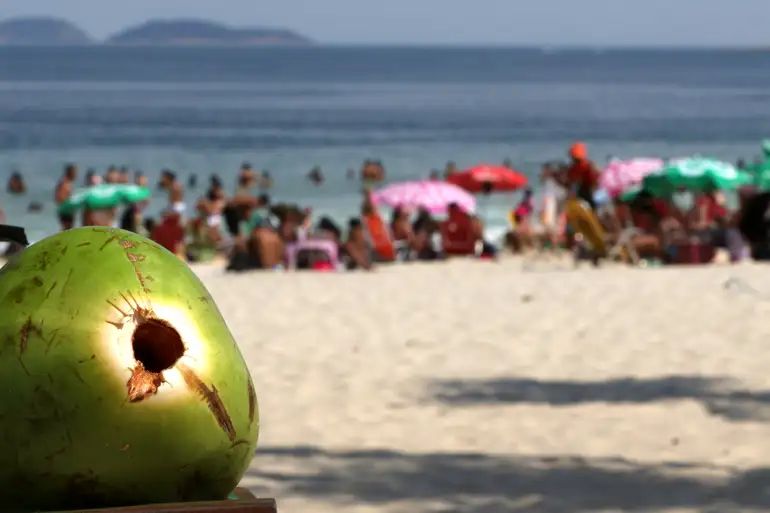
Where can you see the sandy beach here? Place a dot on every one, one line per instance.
(475, 387)
(472, 387)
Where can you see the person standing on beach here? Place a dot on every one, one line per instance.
(247, 176)
(552, 194)
(63, 191)
(131, 219)
(112, 175)
(265, 181)
(101, 216)
(246, 181)
(175, 191)
(169, 233)
(124, 175)
(582, 174)
(92, 178)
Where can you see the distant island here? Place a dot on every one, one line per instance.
(204, 33)
(42, 31)
(45, 31)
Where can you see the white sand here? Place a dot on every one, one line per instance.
(475, 387)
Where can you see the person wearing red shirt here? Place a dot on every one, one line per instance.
(582, 173)
(709, 210)
(457, 233)
(169, 233)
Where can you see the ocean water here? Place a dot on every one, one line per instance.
(204, 111)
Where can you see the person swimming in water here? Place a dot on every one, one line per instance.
(450, 169)
(316, 176)
(16, 185)
(265, 181)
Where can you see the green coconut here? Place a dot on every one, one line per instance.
(120, 382)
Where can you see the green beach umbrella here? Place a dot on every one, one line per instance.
(761, 175)
(696, 175)
(760, 171)
(104, 196)
(630, 194)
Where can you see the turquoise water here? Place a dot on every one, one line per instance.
(205, 111)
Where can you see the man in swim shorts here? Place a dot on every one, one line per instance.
(63, 191)
(175, 189)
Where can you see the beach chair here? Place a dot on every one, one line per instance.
(590, 237)
(623, 247)
(312, 251)
(585, 222)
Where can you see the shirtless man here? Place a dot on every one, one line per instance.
(92, 178)
(246, 182)
(247, 174)
(124, 176)
(112, 175)
(175, 191)
(63, 191)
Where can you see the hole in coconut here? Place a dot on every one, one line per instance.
(157, 345)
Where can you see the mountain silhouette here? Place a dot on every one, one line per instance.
(42, 31)
(200, 32)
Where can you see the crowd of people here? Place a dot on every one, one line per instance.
(249, 231)
(644, 228)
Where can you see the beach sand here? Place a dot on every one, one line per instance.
(477, 387)
(486, 387)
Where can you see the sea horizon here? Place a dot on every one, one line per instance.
(527, 47)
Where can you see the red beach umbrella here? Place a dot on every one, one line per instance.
(485, 178)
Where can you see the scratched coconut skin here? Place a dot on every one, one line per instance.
(70, 435)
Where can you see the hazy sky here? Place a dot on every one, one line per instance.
(498, 22)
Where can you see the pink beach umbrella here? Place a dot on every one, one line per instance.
(433, 195)
(619, 175)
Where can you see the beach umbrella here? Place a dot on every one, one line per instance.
(432, 195)
(620, 175)
(630, 193)
(485, 178)
(760, 174)
(761, 170)
(104, 196)
(696, 175)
